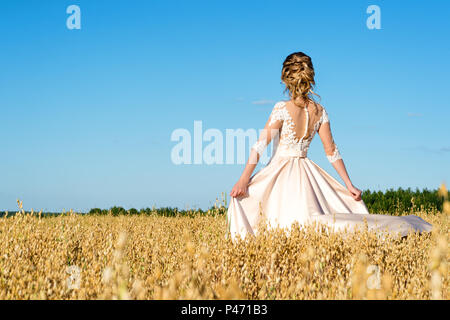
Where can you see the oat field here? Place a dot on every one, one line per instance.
(151, 257)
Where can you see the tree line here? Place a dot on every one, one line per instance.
(384, 202)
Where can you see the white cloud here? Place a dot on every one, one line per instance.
(427, 149)
(413, 114)
(263, 102)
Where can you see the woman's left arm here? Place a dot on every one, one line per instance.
(335, 158)
(270, 130)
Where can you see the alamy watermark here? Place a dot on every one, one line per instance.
(214, 147)
(374, 280)
(74, 279)
(374, 20)
(74, 20)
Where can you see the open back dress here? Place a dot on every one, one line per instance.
(292, 188)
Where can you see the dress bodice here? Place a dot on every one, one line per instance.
(290, 143)
(288, 136)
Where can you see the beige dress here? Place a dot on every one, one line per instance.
(292, 188)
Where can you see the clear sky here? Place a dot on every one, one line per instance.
(86, 115)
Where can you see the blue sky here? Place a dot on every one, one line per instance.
(86, 115)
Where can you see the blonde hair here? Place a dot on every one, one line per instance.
(298, 76)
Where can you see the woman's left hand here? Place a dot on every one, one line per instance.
(355, 192)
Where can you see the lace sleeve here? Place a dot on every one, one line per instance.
(272, 127)
(330, 147)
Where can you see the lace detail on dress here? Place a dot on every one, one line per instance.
(324, 117)
(259, 146)
(279, 113)
(288, 136)
(335, 156)
(331, 146)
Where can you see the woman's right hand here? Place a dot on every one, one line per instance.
(240, 188)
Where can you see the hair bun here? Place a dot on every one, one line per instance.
(298, 75)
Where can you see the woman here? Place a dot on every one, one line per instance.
(292, 188)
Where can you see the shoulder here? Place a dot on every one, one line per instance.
(319, 108)
(279, 112)
(322, 113)
(280, 105)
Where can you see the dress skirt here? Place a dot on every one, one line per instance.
(295, 189)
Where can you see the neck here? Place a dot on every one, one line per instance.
(300, 102)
